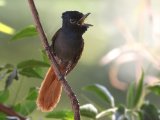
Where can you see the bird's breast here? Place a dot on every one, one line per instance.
(67, 47)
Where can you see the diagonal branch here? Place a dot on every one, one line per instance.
(8, 111)
(67, 88)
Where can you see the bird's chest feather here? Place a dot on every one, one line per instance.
(68, 46)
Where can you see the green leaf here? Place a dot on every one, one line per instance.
(105, 113)
(120, 113)
(139, 90)
(64, 115)
(17, 107)
(4, 95)
(132, 115)
(155, 89)
(130, 95)
(2, 75)
(88, 110)
(29, 72)
(45, 57)
(29, 31)
(2, 116)
(102, 92)
(13, 75)
(5, 28)
(32, 94)
(32, 64)
(6, 66)
(27, 107)
(40, 71)
(149, 112)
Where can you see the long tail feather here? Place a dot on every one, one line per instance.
(50, 92)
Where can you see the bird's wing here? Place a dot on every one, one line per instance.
(74, 62)
(53, 40)
(70, 65)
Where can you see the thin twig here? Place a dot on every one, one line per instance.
(8, 111)
(67, 88)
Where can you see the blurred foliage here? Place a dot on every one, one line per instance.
(6, 29)
(137, 107)
(137, 22)
(28, 31)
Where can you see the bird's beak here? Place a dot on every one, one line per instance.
(81, 21)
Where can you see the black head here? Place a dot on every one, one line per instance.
(74, 21)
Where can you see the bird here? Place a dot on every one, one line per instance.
(67, 46)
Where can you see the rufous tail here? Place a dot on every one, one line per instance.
(50, 92)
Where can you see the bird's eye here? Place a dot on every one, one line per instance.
(72, 21)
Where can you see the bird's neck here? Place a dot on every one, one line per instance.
(72, 34)
(74, 29)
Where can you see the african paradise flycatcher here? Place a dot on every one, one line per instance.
(67, 46)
